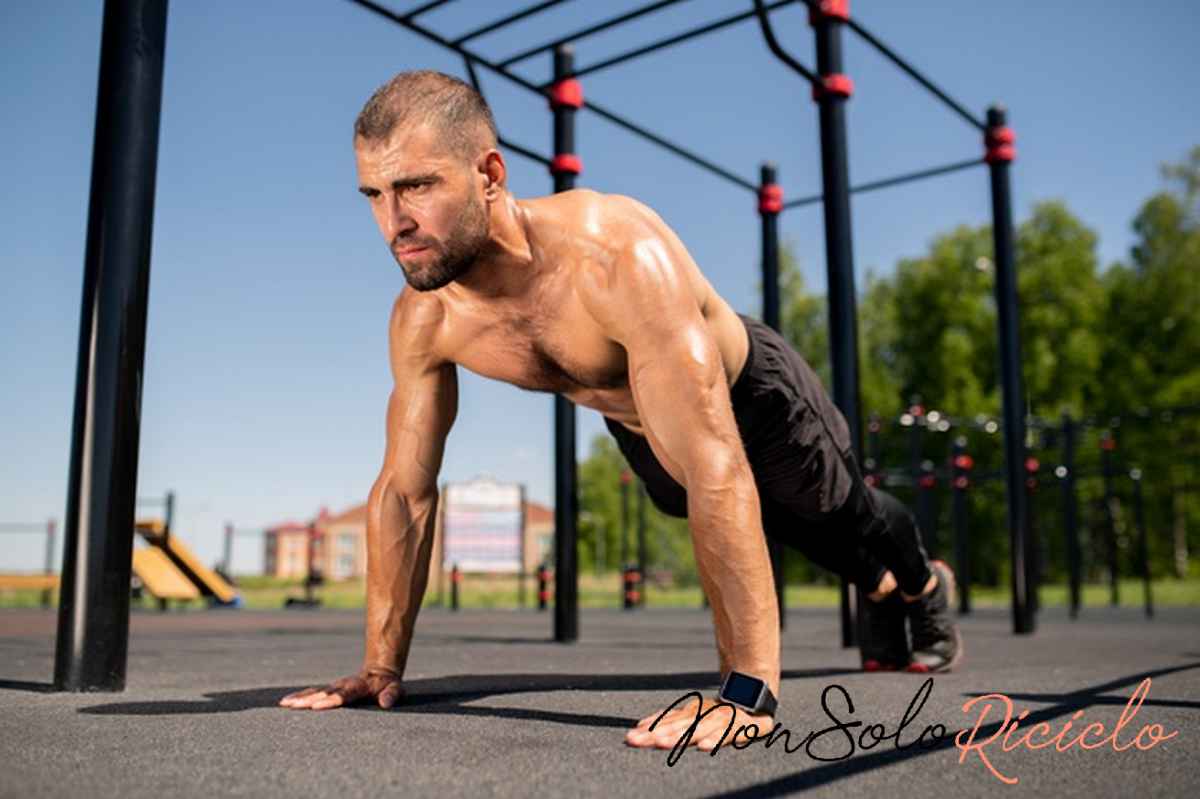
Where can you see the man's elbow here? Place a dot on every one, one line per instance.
(719, 471)
(388, 487)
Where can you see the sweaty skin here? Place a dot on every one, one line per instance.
(588, 295)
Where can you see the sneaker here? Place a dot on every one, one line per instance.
(936, 643)
(885, 637)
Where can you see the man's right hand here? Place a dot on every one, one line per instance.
(383, 687)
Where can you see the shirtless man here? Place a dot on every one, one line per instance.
(593, 297)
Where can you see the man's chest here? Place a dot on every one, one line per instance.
(559, 350)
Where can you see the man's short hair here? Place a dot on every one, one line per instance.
(456, 111)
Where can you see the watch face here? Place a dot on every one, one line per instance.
(741, 689)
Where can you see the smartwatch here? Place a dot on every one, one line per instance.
(749, 693)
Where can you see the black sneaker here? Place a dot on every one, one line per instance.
(936, 643)
(885, 637)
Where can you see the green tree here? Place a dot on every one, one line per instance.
(1061, 303)
(1152, 342)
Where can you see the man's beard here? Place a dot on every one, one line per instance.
(459, 253)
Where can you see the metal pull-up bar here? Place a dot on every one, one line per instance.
(611, 116)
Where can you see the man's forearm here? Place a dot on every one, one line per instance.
(399, 544)
(735, 570)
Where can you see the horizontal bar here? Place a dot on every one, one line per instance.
(516, 148)
(912, 72)
(894, 181)
(370, 5)
(677, 39)
(585, 32)
(525, 151)
(511, 18)
(661, 142)
(419, 10)
(764, 22)
(18, 527)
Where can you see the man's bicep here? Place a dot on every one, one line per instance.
(682, 398)
(420, 413)
(423, 402)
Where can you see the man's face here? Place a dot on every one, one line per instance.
(426, 204)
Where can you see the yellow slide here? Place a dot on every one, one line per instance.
(204, 579)
(160, 577)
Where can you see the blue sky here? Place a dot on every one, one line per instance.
(266, 367)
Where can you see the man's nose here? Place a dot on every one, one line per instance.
(399, 221)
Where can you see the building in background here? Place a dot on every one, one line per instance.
(286, 552)
(340, 544)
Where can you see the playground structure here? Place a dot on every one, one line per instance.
(166, 569)
(47, 581)
(170, 551)
(93, 620)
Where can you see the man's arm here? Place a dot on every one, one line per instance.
(645, 303)
(402, 507)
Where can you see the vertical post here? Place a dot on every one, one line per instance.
(916, 448)
(1033, 566)
(543, 582)
(1143, 543)
(1000, 154)
(566, 96)
(1107, 444)
(168, 517)
(626, 478)
(521, 556)
(49, 569)
(926, 512)
(227, 555)
(641, 542)
(1070, 500)
(962, 463)
(872, 467)
(93, 610)
(831, 95)
(770, 203)
(311, 578)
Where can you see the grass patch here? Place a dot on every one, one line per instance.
(604, 591)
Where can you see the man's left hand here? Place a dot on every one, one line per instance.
(707, 733)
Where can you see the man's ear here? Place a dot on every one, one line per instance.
(495, 174)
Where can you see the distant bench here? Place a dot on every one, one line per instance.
(28, 582)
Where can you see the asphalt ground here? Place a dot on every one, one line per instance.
(496, 708)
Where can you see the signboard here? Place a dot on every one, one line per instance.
(482, 526)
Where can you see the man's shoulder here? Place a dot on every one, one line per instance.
(591, 209)
(415, 324)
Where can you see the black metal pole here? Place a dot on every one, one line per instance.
(641, 543)
(626, 478)
(93, 609)
(49, 569)
(770, 203)
(926, 485)
(521, 575)
(227, 555)
(1107, 445)
(565, 166)
(962, 464)
(1033, 566)
(1000, 153)
(1143, 542)
(831, 97)
(1070, 501)
(168, 517)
